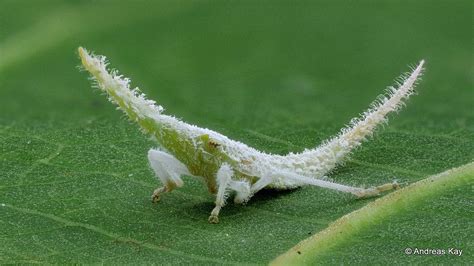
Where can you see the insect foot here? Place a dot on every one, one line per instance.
(155, 197)
(375, 191)
(213, 219)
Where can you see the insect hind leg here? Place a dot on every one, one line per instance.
(357, 191)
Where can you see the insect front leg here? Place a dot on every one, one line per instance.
(224, 178)
(168, 169)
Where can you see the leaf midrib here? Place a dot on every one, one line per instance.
(382, 208)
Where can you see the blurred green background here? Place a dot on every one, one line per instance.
(278, 75)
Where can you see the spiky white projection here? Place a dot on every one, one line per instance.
(229, 166)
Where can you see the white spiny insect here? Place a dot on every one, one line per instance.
(229, 166)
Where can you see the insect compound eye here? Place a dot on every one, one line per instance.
(214, 144)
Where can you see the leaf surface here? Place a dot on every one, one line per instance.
(75, 185)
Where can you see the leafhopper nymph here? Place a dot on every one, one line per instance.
(229, 166)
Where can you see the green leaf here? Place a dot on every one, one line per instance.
(74, 181)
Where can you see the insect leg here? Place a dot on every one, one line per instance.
(223, 177)
(357, 191)
(242, 189)
(260, 184)
(243, 195)
(168, 169)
